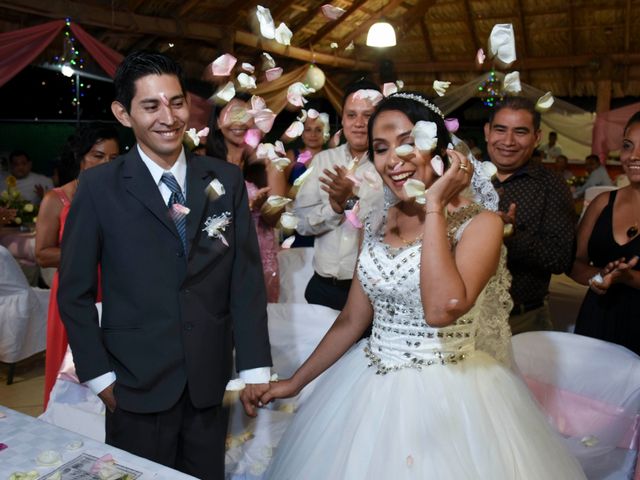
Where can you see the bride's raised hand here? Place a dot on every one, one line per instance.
(453, 182)
(280, 389)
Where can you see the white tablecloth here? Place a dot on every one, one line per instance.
(26, 437)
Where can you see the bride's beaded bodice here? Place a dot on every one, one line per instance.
(400, 335)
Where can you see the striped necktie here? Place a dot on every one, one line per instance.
(177, 197)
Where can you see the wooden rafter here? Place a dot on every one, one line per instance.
(525, 42)
(328, 28)
(232, 12)
(187, 7)
(572, 46)
(627, 43)
(364, 26)
(305, 18)
(471, 24)
(134, 4)
(427, 41)
(412, 16)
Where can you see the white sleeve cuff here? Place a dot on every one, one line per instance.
(256, 375)
(98, 384)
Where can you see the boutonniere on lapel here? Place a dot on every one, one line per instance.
(216, 224)
(215, 189)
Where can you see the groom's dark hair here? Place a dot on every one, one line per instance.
(139, 64)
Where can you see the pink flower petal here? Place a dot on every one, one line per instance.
(288, 242)
(273, 73)
(389, 88)
(295, 129)
(304, 157)
(331, 12)
(252, 137)
(480, 57)
(452, 124)
(264, 119)
(203, 133)
(222, 66)
(164, 99)
(352, 216)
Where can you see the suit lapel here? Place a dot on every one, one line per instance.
(139, 182)
(197, 198)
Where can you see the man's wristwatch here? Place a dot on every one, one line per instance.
(350, 203)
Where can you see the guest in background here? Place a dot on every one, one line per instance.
(538, 206)
(314, 136)
(91, 145)
(551, 150)
(32, 186)
(607, 255)
(598, 176)
(561, 167)
(228, 126)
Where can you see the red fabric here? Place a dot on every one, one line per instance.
(106, 57)
(608, 130)
(20, 47)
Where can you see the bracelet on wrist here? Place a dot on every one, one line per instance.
(441, 212)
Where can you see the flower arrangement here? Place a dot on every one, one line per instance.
(26, 212)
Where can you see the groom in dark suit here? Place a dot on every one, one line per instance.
(169, 238)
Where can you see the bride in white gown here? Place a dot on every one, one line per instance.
(430, 394)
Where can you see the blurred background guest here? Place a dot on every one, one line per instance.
(226, 141)
(598, 176)
(90, 146)
(607, 255)
(314, 136)
(562, 163)
(551, 150)
(32, 186)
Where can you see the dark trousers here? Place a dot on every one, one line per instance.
(327, 291)
(185, 438)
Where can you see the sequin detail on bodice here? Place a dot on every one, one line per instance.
(400, 336)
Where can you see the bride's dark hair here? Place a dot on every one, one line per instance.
(415, 109)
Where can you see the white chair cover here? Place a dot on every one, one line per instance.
(23, 312)
(590, 390)
(296, 269)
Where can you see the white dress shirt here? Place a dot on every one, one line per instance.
(27, 186)
(337, 241)
(179, 171)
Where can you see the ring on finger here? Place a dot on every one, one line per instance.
(464, 167)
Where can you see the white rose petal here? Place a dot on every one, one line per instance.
(333, 45)
(288, 242)
(416, 189)
(248, 67)
(222, 66)
(289, 221)
(502, 43)
(279, 148)
(217, 187)
(389, 88)
(280, 163)
(246, 81)
(545, 102)
(404, 151)
(48, 458)
(283, 34)
(193, 136)
(75, 445)
(295, 129)
(590, 441)
(349, 47)
(227, 92)
(267, 27)
(268, 61)
(511, 83)
(313, 113)
(300, 180)
(277, 201)
(235, 385)
(273, 73)
(440, 87)
(373, 96)
(425, 135)
(480, 57)
(488, 169)
(438, 165)
(331, 12)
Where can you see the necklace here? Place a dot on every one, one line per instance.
(396, 231)
(632, 231)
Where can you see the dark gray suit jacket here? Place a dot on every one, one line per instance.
(167, 320)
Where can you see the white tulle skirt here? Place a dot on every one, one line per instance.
(474, 420)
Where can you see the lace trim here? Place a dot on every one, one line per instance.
(439, 358)
(458, 218)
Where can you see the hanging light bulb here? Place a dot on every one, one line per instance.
(66, 70)
(381, 34)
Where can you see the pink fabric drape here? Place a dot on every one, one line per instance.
(607, 130)
(20, 47)
(107, 58)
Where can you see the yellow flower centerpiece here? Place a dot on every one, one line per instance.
(26, 212)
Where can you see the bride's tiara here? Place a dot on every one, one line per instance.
(419, 99)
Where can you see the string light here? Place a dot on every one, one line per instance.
(70, 61)
(490, 91)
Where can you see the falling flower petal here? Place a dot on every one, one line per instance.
(304, 157)
(283, 34)
(276, 201)
(216, 188)
(235, 385)
(203, 133)
(273, 74)
(597, 278)
(288, 221)
(440, 87)
(227, 92)
(295, 129)
(502, 43)
(349, 47)
(75, 445)
(222, 66)
(248, 67)
(280, 163)
(301, 179)
(191, 138)
(252, 137)
(313, 113)
(267, 27)
(279, 148)
(287, 242)
(180, 210)
(296, 93)
(415, 189)
(404, 151)
(480, 56)
(487, 170)
(263, 119)
(511, 83)
(389, 88)
(331, 12)
(545, 102)
(246, 81)
(438, 165)
(373, 96)
(451, 124)
(425, 135)
(266, 151)
(333, 45)
(352, 215)
(267, 61)
(164, 99)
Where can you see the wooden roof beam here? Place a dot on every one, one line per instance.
(386, 10)
(187, 7)
(414, 15)
(471, 24)
(305, 18)
(328, 28)
(523, 29)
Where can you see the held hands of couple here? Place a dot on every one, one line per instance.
(457, 178)
(618, 271)
(258, 395)
(108, 398)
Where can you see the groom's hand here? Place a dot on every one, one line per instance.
(250, 397)
(108, 398)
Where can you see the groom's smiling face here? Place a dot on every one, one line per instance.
(158, 115)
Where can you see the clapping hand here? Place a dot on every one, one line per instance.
(256, 202)
(618, 271)
(509, 217)
(39, 191)
(338, 186)
(250, 397)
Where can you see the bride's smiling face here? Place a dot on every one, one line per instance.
(391, 130)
